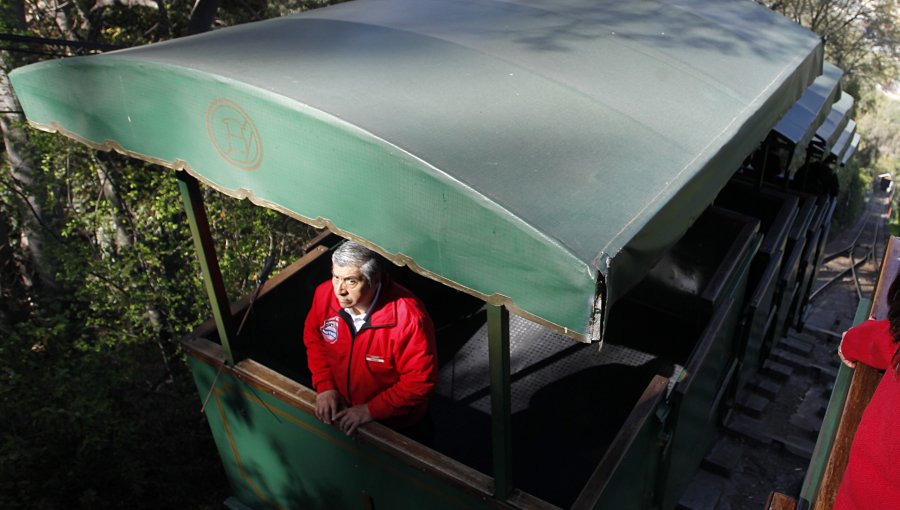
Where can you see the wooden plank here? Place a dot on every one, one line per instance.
(400, 447)
(778, 501)
(862, 387)
(284, 275)
(643, 411)
(209, 264)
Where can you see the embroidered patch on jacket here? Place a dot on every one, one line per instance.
(376, 359)
(329, 329)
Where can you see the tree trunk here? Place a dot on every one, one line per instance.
(203, 15)
(16, 13)
(108, 188)
(35, 224)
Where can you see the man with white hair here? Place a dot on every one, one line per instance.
(370, 346)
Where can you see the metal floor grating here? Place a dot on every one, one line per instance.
(538, 356)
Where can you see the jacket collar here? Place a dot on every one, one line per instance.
(385, 313)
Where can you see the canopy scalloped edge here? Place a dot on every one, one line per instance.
(398, 259)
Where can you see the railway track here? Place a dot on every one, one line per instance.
(768, 442)
(858, 260)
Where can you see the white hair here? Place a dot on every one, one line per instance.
(353, 254)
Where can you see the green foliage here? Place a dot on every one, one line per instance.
(246, 234)
(98, 408)
(86, 431)
(97, 404)
(894, 219)
(878, 122)
(851, 199)
(881, 125)
(860, 35)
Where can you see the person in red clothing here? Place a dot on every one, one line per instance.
(872, 477)
(370, 346)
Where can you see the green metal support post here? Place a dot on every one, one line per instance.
(501, 396)
(209, 264)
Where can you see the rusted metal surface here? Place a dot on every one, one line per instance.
(778, 501)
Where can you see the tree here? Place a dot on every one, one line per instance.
(97, 407)
(860, 36)
(84, 367)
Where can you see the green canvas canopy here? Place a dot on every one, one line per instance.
(843, 141)
(799, 124)
(851, 150)
(830, 131)
(535, 154)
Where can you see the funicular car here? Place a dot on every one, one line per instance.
(789, 216)
(541, 176)
(795, 159)
(818, 179)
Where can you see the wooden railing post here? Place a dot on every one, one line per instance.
(209, 265)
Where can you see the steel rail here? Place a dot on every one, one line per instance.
(855, 275)
(874, 253)
(849, 250)
(835, 278)
(835, 254)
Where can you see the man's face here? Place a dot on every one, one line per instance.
(351, 288)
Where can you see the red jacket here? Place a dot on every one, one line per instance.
(390, 364)
(872, 478)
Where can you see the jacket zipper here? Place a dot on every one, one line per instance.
(349, 367)
(353, 335)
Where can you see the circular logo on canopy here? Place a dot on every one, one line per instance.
(234, 134)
